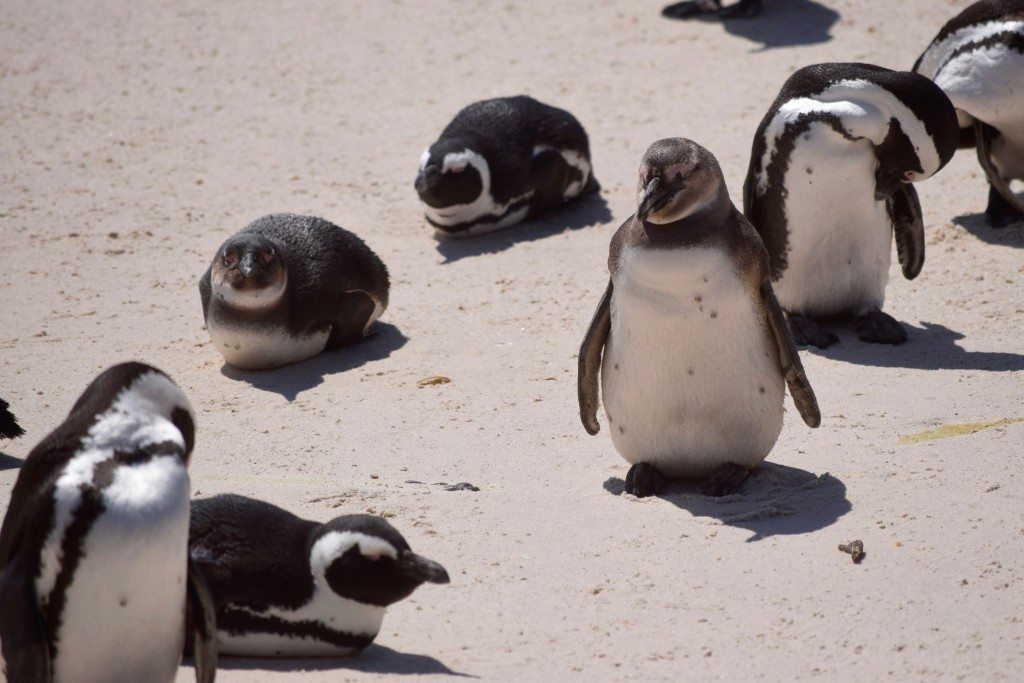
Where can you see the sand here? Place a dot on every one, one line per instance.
(136, 136)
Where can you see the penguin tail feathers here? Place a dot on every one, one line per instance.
(9, 428)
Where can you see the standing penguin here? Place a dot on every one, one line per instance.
(830, 183)
(9, 427)
(500, 161)
(978, 60)
(696, 348)
(94, 571)
(287, 287)
(287, 587)
(743, 9)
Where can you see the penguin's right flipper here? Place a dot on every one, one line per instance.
(908, 227)
(351, 321)
(789, 359)
(983, 137)
(202, 621)
(9, 427)
(590, 361)
(26, 649)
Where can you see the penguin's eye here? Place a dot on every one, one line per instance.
(230, 258)
(268, 256)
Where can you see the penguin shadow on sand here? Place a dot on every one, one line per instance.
(292, 380)
(929, 347)
(775, 500)
(581, 213)
(977, 224)
(782, 23)
(9, 462)
(375, 659)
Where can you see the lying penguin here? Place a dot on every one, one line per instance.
(9, 427)
(501, 161)
(287, 287)
(95, 579)
(831, 181)
(696, 351)
(287, 587)
(743, 9)
(978, 61)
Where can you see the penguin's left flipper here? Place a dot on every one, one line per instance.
(26, 650)
(789, 359)
(201, 619)
(908, 227)
(590, 361)
(983, 137)
(351, 320)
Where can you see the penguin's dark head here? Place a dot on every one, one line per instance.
(451, 174)
(248, 272)
(677, 178)
(363, 558)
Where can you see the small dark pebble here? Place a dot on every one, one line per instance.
(855, 549)
(462, 486)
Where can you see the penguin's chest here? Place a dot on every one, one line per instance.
(690, 381)
(263, 347)
(328, 625)
(839, 242)
(114, 570)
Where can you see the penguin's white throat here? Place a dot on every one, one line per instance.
(254, 299)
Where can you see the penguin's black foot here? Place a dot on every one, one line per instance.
(644, 480)
(1000, 213)
(805, 331)
(690, 8)
(877, 327)
(744, 9)
(727, 479)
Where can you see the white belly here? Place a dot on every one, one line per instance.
(840, 237)
(252, 348)
(689, 384)
(124, 616)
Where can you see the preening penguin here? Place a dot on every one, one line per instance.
(978, 61)
(9, 427)
(288, 587)
(696, 350)
(95, 579)
(830, 183)
(743, 9)
(287, 287)
(501, 161)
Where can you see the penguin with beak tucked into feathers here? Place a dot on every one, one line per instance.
(95, 580)
(831, 182)
(288, 587)
(696, 351)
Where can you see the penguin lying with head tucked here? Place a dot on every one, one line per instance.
(978, 61)
(696, 352)
(501, 161)
(831, 181)
(287, 287)
(9, 428)
(743, 9)
(287, 587)
(95, 579)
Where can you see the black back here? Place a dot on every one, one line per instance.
(323, 262)
(505, 131)
(979, 13)
(925, 99)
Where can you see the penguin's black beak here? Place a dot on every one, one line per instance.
(654, 197)
(427, 179)
(421, 569)
(248, 264)
(887, 183)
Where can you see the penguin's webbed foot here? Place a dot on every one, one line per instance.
(744, 9)
(690, 8)
(877, 327)
(1000, 213)
(807, 332)
(644, 480)
(727, 479)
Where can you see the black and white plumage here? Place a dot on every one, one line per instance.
(94, 572)
(690, 344)
(830, 182)
(741, 9)
(9, 427)
(288, 587)
(287, 287)
(501, 161)
(978, 61)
